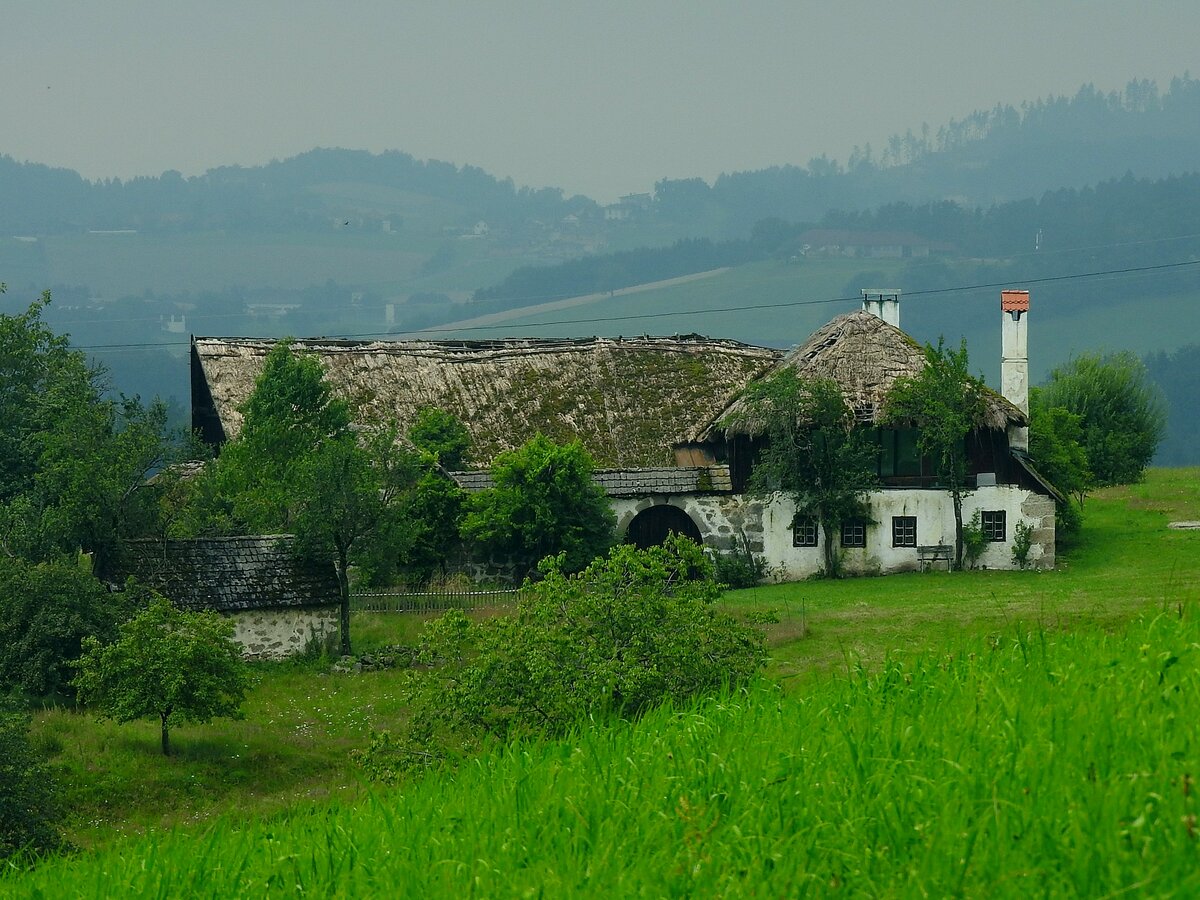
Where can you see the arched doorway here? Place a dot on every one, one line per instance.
(650, 527)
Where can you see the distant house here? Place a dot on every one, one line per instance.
(650, 412)
(279, 601)
(869, 244)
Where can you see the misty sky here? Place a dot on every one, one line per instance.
(602, 98)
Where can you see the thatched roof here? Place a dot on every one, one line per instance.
(865, 356)
(627, 400)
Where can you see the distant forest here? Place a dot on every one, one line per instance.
(991, 156)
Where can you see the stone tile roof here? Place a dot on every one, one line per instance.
(231, 574)
(627, 400)
(633, 482)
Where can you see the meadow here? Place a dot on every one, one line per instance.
(969, 733)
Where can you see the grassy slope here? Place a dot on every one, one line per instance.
(301, 724)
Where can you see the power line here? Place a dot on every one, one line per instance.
(790, 304)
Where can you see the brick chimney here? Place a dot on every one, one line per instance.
(1014, 360)
(883, 303)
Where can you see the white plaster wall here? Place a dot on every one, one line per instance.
(934, 512)
(766, 525)
(280, 633)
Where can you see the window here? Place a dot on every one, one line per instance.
(994, 525)
(904, 531)
(804, 532)
(854, 533)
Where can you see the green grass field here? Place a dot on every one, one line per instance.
(979, 733)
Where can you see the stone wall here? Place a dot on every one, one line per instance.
(280, 633)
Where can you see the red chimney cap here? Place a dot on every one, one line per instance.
(1014, 301)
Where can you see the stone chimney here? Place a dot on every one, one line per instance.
(884, 303)
(1014, 360)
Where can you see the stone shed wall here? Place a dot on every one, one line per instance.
(281, 633)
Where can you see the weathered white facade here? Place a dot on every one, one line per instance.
(764, 524)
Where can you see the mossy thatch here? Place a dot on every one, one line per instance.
(865, 356)
(627, 400)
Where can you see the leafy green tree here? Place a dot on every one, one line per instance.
(1055, 444)
(1122, 413)
(73, 463)
(432, 513)
(348, 497)
(442, 436)
(30, 810)
(630, 631)
(46, 612)
(946, 403)
(297, 466)
(290, 412)
(810, 450)
(543, 502)
(166, 664)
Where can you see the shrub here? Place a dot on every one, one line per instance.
(628, 632)
(739, 567)
(974, 542)
(45, 613)
(29, 810)
(1022, 542)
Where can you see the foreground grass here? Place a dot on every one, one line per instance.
(1033, 762)
(292, 749)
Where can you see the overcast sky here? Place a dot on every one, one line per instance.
(602, 98)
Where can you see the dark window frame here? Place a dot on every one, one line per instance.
(904, 531)
(994, 523)
(854, 533)
(804, 532)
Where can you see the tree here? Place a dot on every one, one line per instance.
(946, 403)
(1055, 444)
(46, 612)
(810, 450)
(290, 412)
(73, 462)
(348, 495)
(442, 436)
(166, 664)
(630, 631)
(543, 502)
(1122, 413)
(297, 466)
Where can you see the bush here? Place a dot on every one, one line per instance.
(739, 567)
(46, 611)
(1022, 543)
(974, 541)
(29, 810)
(630, 631)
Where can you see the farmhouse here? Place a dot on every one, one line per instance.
(650, 411)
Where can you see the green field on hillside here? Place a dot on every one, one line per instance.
(999, 734)
(275, 801)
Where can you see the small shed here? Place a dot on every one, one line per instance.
(280, 602)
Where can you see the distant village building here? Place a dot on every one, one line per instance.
(870, 244)
(650, 412)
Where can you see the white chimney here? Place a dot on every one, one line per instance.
(1014, 359)
(883, 303)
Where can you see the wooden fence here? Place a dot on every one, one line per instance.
(433, 601)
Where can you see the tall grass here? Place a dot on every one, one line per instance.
(1032, 762)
